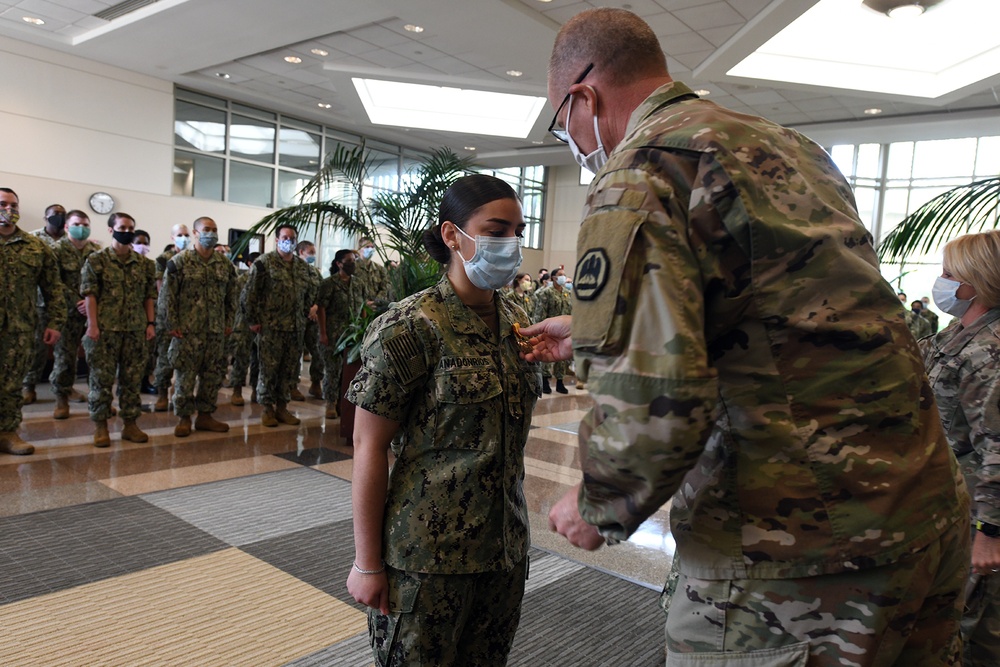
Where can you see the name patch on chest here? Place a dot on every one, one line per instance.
(465, 362)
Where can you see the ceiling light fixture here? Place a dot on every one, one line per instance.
(295, 60)
(874, 111)
(470, 148)
(409, 27)
(323, 105)
(702, 92)
(515, 72)
(898, 9)
(32, 20)
(320, 52)
(222, 75)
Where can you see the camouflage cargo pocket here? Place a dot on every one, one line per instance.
(384, 630)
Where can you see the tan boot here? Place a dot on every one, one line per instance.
(332, 409)
(62, 407)
(286, 417)
(267, 417)
(296, 394)
(183, 428)
(206, 422)
(28, 394)
(76, 397)
(11, 443)
(133, 433)
(237, 398)
(316, 390)
(162, 399)
(101, 436)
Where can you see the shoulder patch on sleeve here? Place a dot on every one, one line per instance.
(591, 274)
(405, 357)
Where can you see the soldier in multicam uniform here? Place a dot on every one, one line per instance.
(51, 233)
(276, 303)
(119, 286)
(372, 277)
(71, 253)
(27, 266)
(963, 365)
(554, 300)
(164, 372)
(310, 342)
(749, 364)
(441, 544)
(339, 300)
(199, 298)
(244, 346)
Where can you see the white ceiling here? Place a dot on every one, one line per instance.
(465, 43)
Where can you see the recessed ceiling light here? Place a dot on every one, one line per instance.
(538, 142)
(470, 148)
(515, 72)
(222, 75)
(323, 105)
(320, 52)
(874, 111)
(33, 21)
(409, 27)
(295, 60)
(701, 92)
(448, 109)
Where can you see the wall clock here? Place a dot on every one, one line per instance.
(102, 202)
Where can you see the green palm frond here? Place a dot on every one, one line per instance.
(965, 209)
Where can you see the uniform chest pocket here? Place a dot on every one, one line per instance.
(468, 414)
(29, 265)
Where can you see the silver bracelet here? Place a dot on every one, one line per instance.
(378, 571)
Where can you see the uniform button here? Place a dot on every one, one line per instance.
(357, 386)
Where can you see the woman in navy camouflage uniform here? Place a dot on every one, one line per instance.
(963, 365)
(441, 541)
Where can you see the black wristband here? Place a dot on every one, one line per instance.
(988, 529)
(151, 324)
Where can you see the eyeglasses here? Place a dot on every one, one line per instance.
(561, 133)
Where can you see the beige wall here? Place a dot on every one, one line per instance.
(564, 206)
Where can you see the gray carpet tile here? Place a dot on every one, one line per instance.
(314, 456)
(547, 568)
(353, 652)
(260, 507)
(319, 556)
(49, 551)
(589, 619)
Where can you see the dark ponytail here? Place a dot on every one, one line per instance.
(465, 196)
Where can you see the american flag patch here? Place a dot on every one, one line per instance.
(405, 357)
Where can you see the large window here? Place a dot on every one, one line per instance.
(892, 180)
(227, 151)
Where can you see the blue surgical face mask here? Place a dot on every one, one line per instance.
(561, 280)
(946, 298)
(286, 246)
(310, 259)
(495, 263)
(208, 239)
(181, 242)
(592, 161)
(366, 253)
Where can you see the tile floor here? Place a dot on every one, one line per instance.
(233, 549)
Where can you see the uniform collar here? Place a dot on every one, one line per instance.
(458, 313)
(964, 335)
(664, 96)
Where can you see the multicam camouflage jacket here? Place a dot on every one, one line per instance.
(455, 502)
(963, 365)
(279, 293)
(199, 295)
(746, 358)
(27, 269)
(121, 286)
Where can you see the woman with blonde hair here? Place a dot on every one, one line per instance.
(963, 365)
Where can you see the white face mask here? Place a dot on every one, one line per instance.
(495, 263)
(592, 161)
(946, 298)
(561, 280)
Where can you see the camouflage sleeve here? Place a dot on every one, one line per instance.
(169, 299)
(539, 308)
(89, 282)
(393, 365)
(53, 291)
(251, 296)
(232, 296)
(324, 292)
(638, 332)
(980, 400)
(150, 279)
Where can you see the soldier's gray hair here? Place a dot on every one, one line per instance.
(975, 259)
(622, 47)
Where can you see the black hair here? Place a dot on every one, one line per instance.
(341, 254)
(277, 232)
(555, 271)
(138, 232)
(52, 206)
(465, 196)
(114, 217)
(542, 278)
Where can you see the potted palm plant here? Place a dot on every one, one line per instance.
(337, 198)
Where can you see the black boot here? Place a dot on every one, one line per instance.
(560, 387)
(546, 389)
